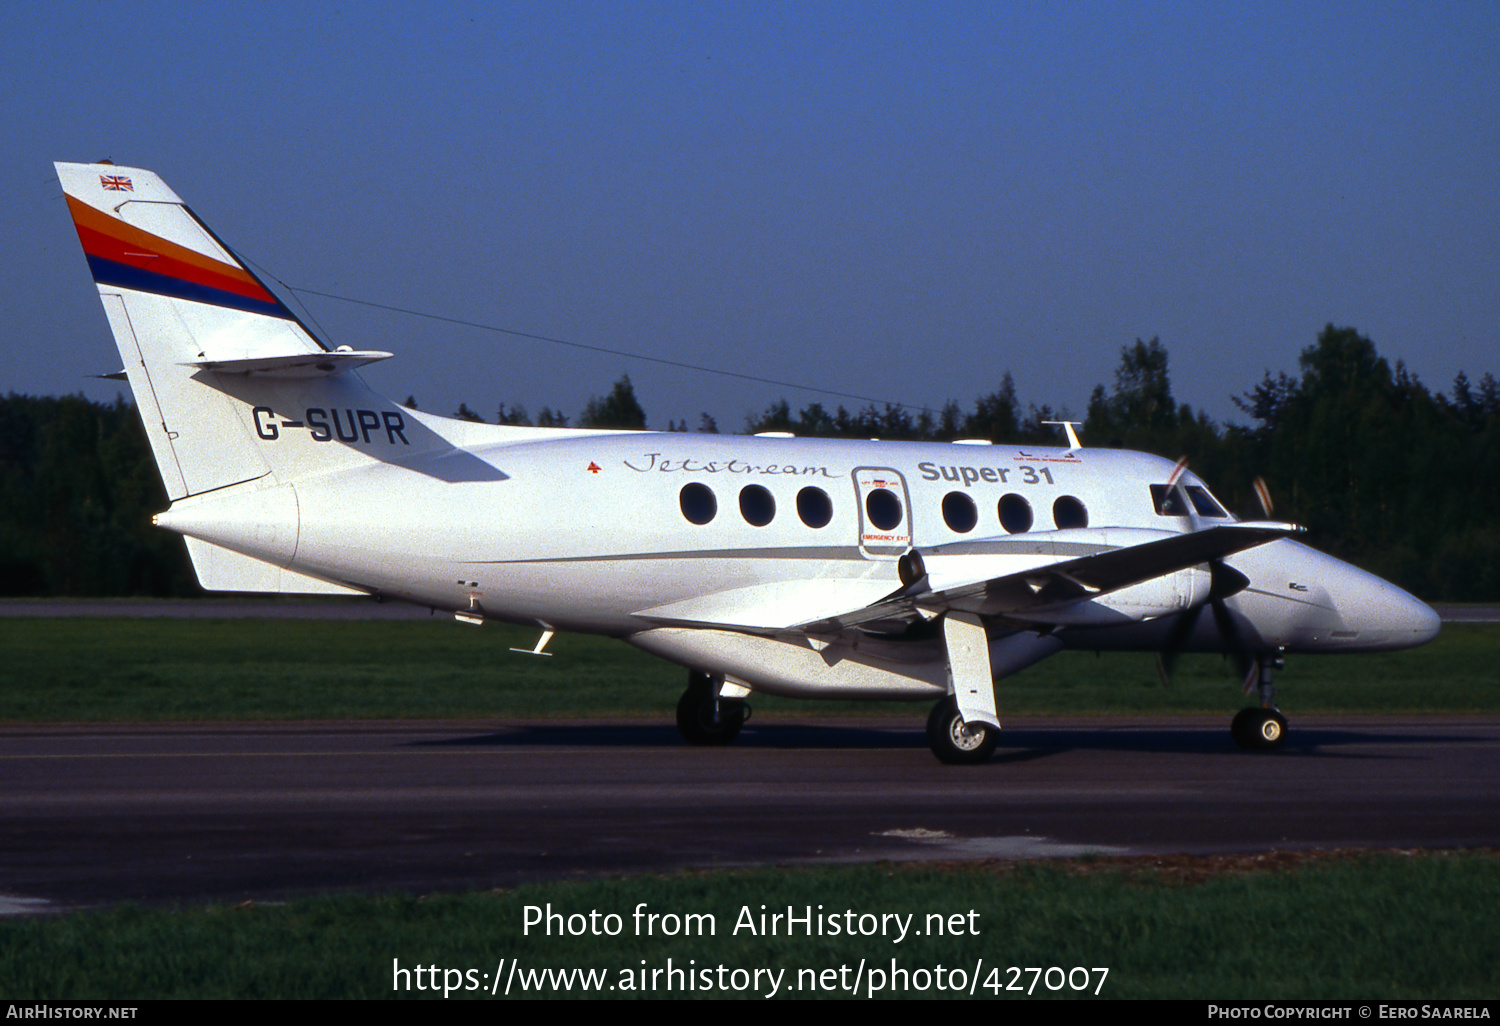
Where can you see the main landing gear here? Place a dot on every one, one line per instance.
(705, 717)
(1261, 729)
(955, 743)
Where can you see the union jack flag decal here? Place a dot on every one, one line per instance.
(116, 183)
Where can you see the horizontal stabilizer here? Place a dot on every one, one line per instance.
(296, 365)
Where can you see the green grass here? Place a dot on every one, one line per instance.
(113, 669)
(1379, 926)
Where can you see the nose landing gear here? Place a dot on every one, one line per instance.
(1258, 730)
(1261, 729)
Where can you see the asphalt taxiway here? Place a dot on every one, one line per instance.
(98, 813)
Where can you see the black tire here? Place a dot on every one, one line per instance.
(696, 719)
(1258, 730)
(952, 743)
(1237, 727)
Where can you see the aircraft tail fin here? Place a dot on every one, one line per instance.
(219, 367)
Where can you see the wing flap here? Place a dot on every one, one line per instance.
(769, 608)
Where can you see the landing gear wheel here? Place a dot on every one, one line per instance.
(1258, 730)
(702, 721)
(954, 743)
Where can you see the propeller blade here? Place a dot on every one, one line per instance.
(1230, 632)
(1224, 581)
(1166, 659)
(1263, 493)
(1252, 676)
(1177, 471)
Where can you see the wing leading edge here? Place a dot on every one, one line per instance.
(1037, 593)
(1032, 579)
(1040, 593)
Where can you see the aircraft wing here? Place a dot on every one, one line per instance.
(1034, 592)
(1023, 578)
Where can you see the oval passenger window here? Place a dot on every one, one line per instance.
(1069, 512)
(959, 512)
(883, 508)
(698, 503)
(1015, 513)
(757, 505)
(814, 507)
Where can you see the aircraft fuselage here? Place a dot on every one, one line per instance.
(589, 531)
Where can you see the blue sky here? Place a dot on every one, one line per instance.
(900, 201)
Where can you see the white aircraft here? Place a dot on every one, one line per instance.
(791, 566)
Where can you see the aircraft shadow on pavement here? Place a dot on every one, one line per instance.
(800, 735)
(1020, 744)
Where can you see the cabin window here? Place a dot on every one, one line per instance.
(883, 509)
(959, 512)
(698, 503)
(757, 505)
(1015, 513)
(1068, 512)
(814, 507)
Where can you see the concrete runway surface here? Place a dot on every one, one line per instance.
(100, 813)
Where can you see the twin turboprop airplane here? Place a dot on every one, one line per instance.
(792, 566)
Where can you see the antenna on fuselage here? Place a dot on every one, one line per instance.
(1068, 425)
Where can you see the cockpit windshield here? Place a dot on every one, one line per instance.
(1168, 502)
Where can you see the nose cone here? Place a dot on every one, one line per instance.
(1376, 615)
(1308, 601)
(1404, 620)
(1424, 622)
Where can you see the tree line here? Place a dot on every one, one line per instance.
(1383, 471)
